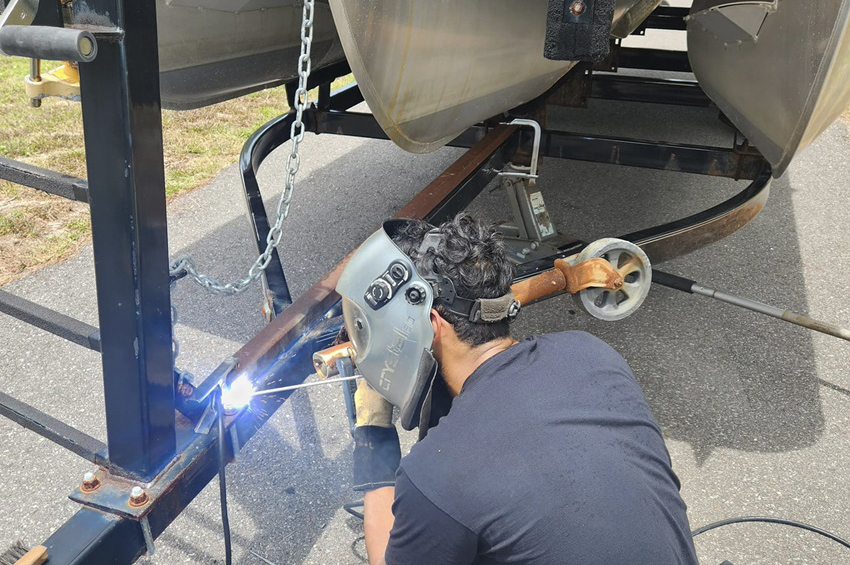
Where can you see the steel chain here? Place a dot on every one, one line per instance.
(184, 376)
(293, 162)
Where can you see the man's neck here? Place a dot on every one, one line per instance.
(459, 363)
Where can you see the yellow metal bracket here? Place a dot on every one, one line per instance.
(63, 81)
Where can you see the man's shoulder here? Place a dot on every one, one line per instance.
(574, 339)
(570, 348)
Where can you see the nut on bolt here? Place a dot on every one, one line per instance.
(138, 497)
(90, 483)
(578, 7)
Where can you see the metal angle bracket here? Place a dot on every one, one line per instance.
(113, 493)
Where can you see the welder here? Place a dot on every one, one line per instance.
(542, 451)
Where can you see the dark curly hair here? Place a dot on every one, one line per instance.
(472, 255)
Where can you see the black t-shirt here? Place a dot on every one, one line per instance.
(549, 455)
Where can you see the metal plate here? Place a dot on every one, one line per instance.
(777, 69)
(628, 15)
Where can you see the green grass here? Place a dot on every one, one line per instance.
(36, 228)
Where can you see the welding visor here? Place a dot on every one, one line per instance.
(386, 306)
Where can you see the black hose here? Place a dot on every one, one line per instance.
(350, 508)
(770, 520)
(222, 481)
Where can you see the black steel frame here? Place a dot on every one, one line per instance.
(146, 443)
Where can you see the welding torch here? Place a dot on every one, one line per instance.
(336, 360)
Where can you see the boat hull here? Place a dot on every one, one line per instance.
(429, 70)
(214, 50)
(779, 70)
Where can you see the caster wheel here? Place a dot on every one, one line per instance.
(633, 265)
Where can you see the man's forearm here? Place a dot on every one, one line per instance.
(377, 522)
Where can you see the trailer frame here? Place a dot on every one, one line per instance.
(145, 400)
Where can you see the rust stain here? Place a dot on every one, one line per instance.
(393, 102)
(593, 273)
(546, 283)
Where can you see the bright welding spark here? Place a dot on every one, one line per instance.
(238, 394)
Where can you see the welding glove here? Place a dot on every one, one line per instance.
(376, 448)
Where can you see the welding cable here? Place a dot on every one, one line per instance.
(769, 520)
(222, 480)
(350, 508)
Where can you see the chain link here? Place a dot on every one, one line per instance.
(185, 377)
(293, 162)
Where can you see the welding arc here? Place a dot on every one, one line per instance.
(305, 385)
(687, 285)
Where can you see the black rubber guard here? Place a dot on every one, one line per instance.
(578, 30)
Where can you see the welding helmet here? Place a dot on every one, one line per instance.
(386, 306)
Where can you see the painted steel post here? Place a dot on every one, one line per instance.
(123, 134)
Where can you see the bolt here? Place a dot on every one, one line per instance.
(578, 7)
(138, 497)
(90, 483)
(185, 389)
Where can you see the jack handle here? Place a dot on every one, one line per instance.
(692, 287)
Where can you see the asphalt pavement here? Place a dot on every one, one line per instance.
(755, 411)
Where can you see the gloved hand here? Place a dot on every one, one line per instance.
(376, 448)
(372, 408)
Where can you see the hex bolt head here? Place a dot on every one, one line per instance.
(90, 482)
(138, 497)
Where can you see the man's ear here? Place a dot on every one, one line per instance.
(438, 323)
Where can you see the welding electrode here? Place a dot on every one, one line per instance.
(306, 385)
(687, 285)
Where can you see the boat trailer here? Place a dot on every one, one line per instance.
(157, 457)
